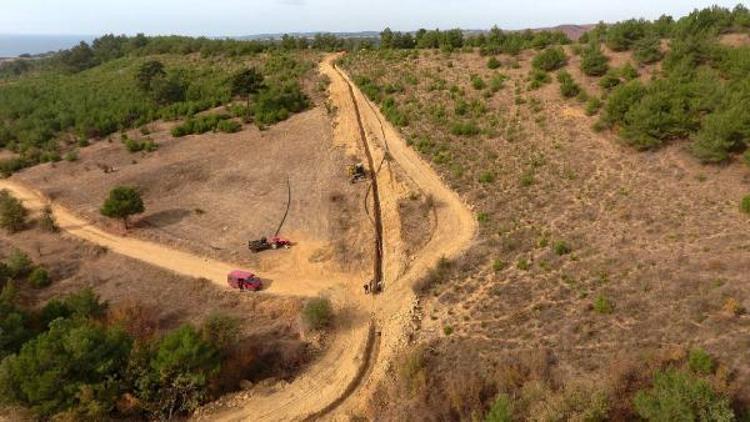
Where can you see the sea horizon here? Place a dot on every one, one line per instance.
(14, 45)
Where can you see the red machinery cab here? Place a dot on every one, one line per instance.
(244, 280)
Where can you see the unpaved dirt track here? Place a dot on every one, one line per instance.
(278, 282)
(339, 383)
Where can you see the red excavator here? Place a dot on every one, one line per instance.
(275, 241)
(264, 244)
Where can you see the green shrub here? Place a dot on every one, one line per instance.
(610, 80)
(122, 202)
(487, 177)
(700, 362)
(623, 35)
(538, 78)
(745, 204)
(447, 330)
(493, 63)
(497, 82)
(603, 305)
(483, 217)
(229, 126)
(568, 87)
(621, 100)
(197, 125)
(468, 128)
(175, 378)
(501, 410)
(523, 264)
(527, 178)
(628, 72)
(593, 105)
(499, 265)
(648, 50)
(53, 371)
(12, 213)
(133, 146)
(593, 61)
(71, 156)
(679, 396)
(393, 113)
(562, 248)
(276, 104)
(317, 313)
(39, 278)
(221, 331)
(19, 264)
(550, 59)
(478, 83)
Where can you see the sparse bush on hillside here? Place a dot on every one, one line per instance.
(122, 202)
(18, 264)
(317, 313)
(497, 82)
(745, 204)
(12, 213)
(493, 63)
(602, 305)
(593, 105)
(678, 395)
(610, 80)
(466, 128)
(538, 78)
(648, 50)
(562, 248)
(628, 72)
(501, 410)
(39, 278)
(196, 125)
(700, 362)
(393, 113)
(478, 83)
(568, 87)
(622, 35)
(550, 59)
(593, 61)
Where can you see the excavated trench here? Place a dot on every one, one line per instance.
(377, 214)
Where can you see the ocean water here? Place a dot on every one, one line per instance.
(15, 45)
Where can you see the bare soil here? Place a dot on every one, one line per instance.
(209, 194)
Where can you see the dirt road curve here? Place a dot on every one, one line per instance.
(337, 376)
(338, 382)
(279, 282)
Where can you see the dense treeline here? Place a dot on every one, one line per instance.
(77, 358)
(44, 113)
(495, 41)
(702, 92)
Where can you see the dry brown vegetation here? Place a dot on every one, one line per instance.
(588, 249)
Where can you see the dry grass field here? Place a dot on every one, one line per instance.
(590, 253)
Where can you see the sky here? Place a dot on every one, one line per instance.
(247, 17)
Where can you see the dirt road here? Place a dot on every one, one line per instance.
(278, 281)
(346, 374)
(338, 383)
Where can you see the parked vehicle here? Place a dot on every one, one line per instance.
(244, 280)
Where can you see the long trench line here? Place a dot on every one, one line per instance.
(378, 261)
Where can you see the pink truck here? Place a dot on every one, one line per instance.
(244, 280)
